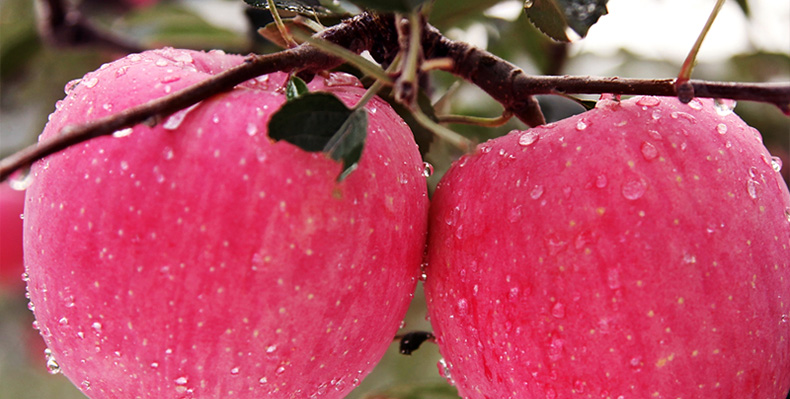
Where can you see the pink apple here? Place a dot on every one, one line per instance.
(639, 250)
(12, 203)
(201, 259)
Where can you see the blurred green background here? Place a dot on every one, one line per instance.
(33, 73)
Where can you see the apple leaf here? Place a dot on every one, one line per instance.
(404, 6)
(295, 88)
(554, 17)
(320, 122)
(310, 7)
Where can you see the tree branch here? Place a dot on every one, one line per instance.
(502, 80)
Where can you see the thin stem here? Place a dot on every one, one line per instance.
(455, 139)
(367, 67)
(688, 64)
(289, 40)
(477, 120)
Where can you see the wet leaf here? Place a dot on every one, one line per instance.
(295, 88)
(321, 122)
(390, 5)
(309, 7)
(554, 17)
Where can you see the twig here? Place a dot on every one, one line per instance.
(505, 82)
(62, 25)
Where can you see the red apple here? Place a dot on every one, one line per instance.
(12, 203)
(200, 259)
(639, 250)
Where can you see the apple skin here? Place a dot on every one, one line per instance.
(12, 203)
(638, 250)
(200, 259)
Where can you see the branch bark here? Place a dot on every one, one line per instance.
(502, 80)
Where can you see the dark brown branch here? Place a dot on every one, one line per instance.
(510, 86)
(503, 81)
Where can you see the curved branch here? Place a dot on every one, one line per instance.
(502, 80)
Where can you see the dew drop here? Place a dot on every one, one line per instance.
(776, 164)
(175, 120)
(721, 128)
(689, 258)
(168, 153)
(753, 187)
(634, 189)
(723, 106)
(463, 307)
(96, 326)
(123, 132)
(787, 214)
(536, 192)
(271, 348)
(601, 181)
(252, 129)
(444, 371)
(656, 115)
(558, 310)
(71, 85)
(528, 138)
(170, 79)
(234, 371)
(90, 83)
(263, 380)
(134, 57)
(695, 104)
(427, 169)
(52, 365)
(21, 181)
(183, 57)
(649, 151)
(683, 115)
(581, 125)
(121, 71)
(648, 101)
(279, 370)
(161, 62)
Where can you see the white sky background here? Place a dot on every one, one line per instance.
(667, 29)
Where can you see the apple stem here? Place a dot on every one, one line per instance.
(448, 135)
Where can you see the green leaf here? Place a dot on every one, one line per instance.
(295, 88)
(744, 4)
(309, 7)
(320, 122)
(554, 17)
(403, 6)
(347, 143)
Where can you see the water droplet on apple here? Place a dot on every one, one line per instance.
(52, 365)
(753, 188)
(724, 106)
(279, 370)
(161, 62)
(123, 132)
(528, 138)
(601, 181)
(656, 115)
(721, 128)
(343, 79)
(695, 104)
(581, 125)
(634, 189)
(649, 151)
(70, 85)
(648, 101)
(263, 380)
(683, 115)
(536, 192)
(170, 79)
(175, 120)
(134, 57)
(787, 214)
(463, 307)
(689, 258)
(168, 153)
(555, 349)
(234, 371)
(427, 169)
(63, 321)
(252, 129)
(121, 71)
(776, 164)
(444, 371)
(558, 310)
(21, 181)
(271, 348)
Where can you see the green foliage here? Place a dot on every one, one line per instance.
(554, 17)
(295, 88)
(321, 122)
(403, 6)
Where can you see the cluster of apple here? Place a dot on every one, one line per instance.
(641, 249)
